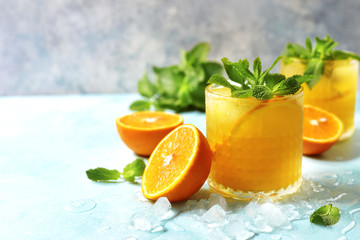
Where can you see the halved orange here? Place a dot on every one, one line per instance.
(142, 131)
(179, 165)
(322, 130)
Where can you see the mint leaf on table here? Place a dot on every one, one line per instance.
(315, 56)
(326, 215)
(134, 169)
(179, 87)
(259, 84)
(102, 174)
(131, 170)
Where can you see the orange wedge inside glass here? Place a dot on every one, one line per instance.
(179, 165)
(321, 130)
(142, 131)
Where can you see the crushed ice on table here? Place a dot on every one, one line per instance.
(153, 219)
(222, 218)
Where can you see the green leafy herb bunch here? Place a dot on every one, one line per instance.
(179, 87)
(259, 84)
(316, 56)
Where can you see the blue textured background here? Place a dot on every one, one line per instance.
(91, 46)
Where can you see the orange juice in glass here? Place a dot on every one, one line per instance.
(334, 92)
(257, 144)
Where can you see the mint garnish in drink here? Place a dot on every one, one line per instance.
(131, 170)
(326, 215)
(179, 87)
(315, 57)
(259, 84)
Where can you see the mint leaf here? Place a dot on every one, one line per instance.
(140, 105)
(326, 215)
(168, 80)
(131, 170)
(233, 70)
(220, 80)
(242, 93)
(315, 57)
(262, 76)
(271, 80)
(198, 53)
(303, 78)
(134, 169)
(286, 87)
(260, 85)
(257, 67)
(262, 92)
(337, 54)
(314, 67)
(145, 87)
(210, 68)
(180, 87)
(102, 174)
(308, 45)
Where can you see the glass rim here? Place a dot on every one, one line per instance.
(297, 59)
(252, 99)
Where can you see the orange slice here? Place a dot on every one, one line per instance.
(321, 130)
(179, 165)
(142, 131)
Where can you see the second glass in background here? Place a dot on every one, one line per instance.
(335, 91)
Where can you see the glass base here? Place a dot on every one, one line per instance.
(247, 196)
(347, 134)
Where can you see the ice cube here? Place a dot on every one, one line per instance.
(251, 210)
(219, 200)
(216, 214)
(259, 224)
(190, 205)
(289, 211)
(238, 231)
(145, 221)
(203, 204)
(275, 216)
(161, 206)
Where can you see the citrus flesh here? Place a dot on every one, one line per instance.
(179, 165)
(322, 130)
(142, 131)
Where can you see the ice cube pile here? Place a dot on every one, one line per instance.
(224, 218)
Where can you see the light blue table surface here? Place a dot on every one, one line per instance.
(48, 142)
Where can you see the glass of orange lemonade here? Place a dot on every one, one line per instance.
(335, 91)
(257, 144)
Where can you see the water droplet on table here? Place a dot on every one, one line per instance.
(329, 179)
(81, 205)
(350, 226)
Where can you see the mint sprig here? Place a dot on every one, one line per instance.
(260, 84)
(179, 87)
(131, 170)
(322, 51)
(326, 215)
